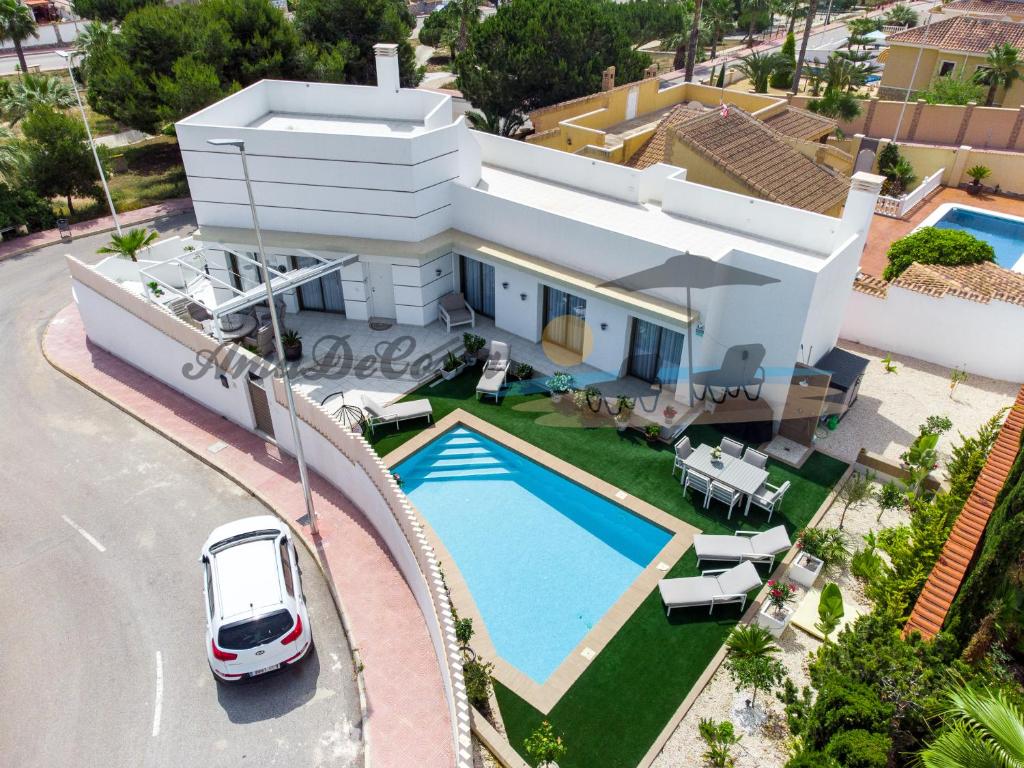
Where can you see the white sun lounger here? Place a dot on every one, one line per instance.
(396, 412)
(711, 588)
(495, 370)
(744, 545)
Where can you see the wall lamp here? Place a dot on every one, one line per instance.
(437, 272)
(505, 286)
(604, 326)
(522, 296)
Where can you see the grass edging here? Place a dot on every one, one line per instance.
(357, 662)
(750, 613)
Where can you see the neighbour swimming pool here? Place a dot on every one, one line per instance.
(1004, 233)
(543, 557)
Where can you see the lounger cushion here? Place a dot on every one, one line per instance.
(712, 547)
(398, 411)
(739, 579)
(491, 381)
(771, 542)
(694, 590)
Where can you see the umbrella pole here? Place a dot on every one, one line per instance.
(689, 345)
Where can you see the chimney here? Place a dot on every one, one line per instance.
(386, 55)
(859, 208)
(608, 79)
(651, 71)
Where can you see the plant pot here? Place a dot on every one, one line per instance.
(556, 397)
(470, 358)
(774, 622)
(622, 426)
(805, 570)
(293, 353)
(449, 375)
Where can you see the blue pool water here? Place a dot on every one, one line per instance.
(543, 557)
(1006, 236)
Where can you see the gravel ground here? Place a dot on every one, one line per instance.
(892, 405)
(720, 701)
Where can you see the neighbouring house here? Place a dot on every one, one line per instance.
(1001, 10)
(731, 150)
(956, 47)
(940, 314)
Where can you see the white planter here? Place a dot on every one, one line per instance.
(622, 426)
(775, 623)
(805, 570)
(556, 397)
(449, 375)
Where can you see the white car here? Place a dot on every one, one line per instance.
(256, 619)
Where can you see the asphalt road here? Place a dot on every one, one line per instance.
(82, 628)
(47, 61)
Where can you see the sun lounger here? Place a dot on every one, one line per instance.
(495, 371)
(396, 412)
(712, 588)
(744, 545)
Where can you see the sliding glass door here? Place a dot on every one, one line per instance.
(478, 285)
(564, 319)
(654, 353)
(323, 294)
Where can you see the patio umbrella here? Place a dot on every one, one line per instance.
(688, 270)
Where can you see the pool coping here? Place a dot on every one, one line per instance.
(544, 696)
(940, 212)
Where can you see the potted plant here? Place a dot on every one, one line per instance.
(522, 371)
(473, 345)
(559, 384)
(652, 432)
(828, 545)
(451, 367)
(579, 399)
(977, 174)
(716, 453)
(292, 343)
(157, 291)
(543, 747)
(669, 413)
(624, 411)
(776, 613)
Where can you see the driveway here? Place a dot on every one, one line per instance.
(102, 521)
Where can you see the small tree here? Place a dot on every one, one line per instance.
(855, 493)
(830, 609)
(59, 161)
(952, 90)
(477, 675)
(890, 496)
(720, 738)
(543, 747)
(977, 174)
(782, 75)
(758, 68)
(128, 244)
(756, 674)
(957, 376)
(1002, 68)
(928, 245)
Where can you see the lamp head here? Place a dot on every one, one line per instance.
(239, 143)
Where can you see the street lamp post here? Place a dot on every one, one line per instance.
(278, 346)
(913, 76)
(67, 56)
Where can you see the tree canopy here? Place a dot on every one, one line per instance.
(109, 10)
(59, 161)
(533, 53)
(929, 245)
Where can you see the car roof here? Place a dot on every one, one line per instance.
(243, 526)
(247, 576)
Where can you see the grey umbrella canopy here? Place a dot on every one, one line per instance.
(687, 270)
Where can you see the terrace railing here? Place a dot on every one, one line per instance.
(898, 207)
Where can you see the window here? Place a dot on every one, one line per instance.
(946, 68)
(564, 319)
(655, 353)
(478, 285)
(286, 567)
(254, 632)
(209, 588)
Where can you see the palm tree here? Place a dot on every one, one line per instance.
(812, 9)
(718, 19)
(753, 10)
(17, 24)
(12, 155)
(748, 641)
(128, 244)
(758, 67)
(94, 37)
(901, 15)
(839, 105)
(984, 729)
(691, 48)
(1001, 69)
(491, 122)
(30, 91)
(468, 12)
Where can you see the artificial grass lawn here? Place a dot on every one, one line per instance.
(615, 710)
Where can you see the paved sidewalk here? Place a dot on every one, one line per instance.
(407, 721)
(27, 243)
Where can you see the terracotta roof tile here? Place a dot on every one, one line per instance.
(801, 124)
(983, 282)
(997, 7)
(964, 539)
(871, 285)
(761, 159)
(653, 150)
(962, 33)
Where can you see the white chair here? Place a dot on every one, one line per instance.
(453, 310)
(711, 588)
(769, 497)
(726, 495)
(756, 458)
(495, 371)
(731, 448)
(384, 414)
(700, 483)
(683, 451)
(743, 545)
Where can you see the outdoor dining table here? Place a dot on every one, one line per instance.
(237, 326)
(727, 470)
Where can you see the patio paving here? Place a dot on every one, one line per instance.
(406, 716)
(885, 230)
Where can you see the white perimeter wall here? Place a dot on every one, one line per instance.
(123, 334)
(49, 34)
(986, 338)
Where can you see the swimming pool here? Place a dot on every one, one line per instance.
(1004, 233)
(543, 558)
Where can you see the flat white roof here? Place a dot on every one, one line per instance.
(247, 578)
(336, 124)
(644, 221)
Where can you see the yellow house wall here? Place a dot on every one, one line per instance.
(899, 67)
(1007, 167)
(699, 170)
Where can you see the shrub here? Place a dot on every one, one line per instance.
(827, 544)
(859, 749)
(720, 738)
(543, 746)
(949, 247)
(811, 759)
(477, 676)
(20, 205)
(845, 704)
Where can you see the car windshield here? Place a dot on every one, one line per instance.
(249, 634)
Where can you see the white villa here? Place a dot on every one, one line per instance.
(380, 203)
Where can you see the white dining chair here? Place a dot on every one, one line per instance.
(683, 451)
(726, 495)
(698, 482)
(731, 448)
(755, 458)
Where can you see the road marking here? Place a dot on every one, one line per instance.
(85, 534)
(158, 707)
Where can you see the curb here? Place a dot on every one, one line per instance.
(103, 230)
(292, 525)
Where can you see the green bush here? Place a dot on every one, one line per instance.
(477, 675)
(949, 247)
(20, 206)
(859, 749)
(809, 758)
(782, 75)
(844, 704)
